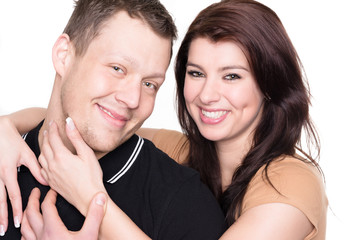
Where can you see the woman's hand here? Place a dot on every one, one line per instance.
(67, 173)
(48, 225)
(13, 153)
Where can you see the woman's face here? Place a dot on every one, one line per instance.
(220, 91)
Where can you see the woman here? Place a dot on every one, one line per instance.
(243, 103)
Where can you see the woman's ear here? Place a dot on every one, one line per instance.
(61, 53)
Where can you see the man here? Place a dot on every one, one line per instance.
(110, 63)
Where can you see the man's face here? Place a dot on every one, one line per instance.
(110, 91)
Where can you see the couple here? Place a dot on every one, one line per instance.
(242, 103)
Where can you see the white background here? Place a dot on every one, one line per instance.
(326, 34)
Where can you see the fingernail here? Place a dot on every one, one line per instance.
(2, 230)
(70, 123)
(16, 222)
(100, 200)
(45, 132)
(51, 122)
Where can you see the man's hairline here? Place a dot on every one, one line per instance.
(102, 25)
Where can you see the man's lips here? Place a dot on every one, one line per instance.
(112, 114)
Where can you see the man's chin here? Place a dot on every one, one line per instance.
(101, 151)
(102, 148)
(106, 142)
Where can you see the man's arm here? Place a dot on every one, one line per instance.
(48, 225)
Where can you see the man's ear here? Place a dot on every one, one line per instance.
(61, 53)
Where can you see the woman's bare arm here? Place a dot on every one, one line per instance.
(26, 119)
(271, 221)
(13, 153)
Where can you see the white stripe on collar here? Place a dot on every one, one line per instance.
(24, 136)
(129, 162)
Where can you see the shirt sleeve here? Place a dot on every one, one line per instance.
(192, 214)
(173, 143)
(297, 183)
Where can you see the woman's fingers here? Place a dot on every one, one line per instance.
(82, 149)
(3, 210)
(29, 159)
(14, 194)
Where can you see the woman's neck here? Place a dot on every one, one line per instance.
(231, 154)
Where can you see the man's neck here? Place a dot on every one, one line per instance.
(55, 128)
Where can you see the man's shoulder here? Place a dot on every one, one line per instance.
(161, 161)
(170, 178)
(182, 196)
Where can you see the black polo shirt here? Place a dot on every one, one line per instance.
(166, 200)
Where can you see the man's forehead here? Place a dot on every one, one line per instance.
(122, 21)
(128, 39)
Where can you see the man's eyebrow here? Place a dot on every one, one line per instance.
(155, 75)
(130, 60)
(135, 64)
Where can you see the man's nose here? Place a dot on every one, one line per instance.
(130, 92)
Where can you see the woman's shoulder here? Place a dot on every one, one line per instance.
(291, 180)
(292, 167)
(289, 175)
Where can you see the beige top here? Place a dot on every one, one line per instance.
(300, 184)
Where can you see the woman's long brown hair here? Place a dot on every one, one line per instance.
(273, 60)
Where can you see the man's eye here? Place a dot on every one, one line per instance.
(232, 77)
(196, 74)
(150, 85)
(118, 69)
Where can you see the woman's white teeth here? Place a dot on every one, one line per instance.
(107, 112)
(213, 115)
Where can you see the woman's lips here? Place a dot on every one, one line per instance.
(213, 116)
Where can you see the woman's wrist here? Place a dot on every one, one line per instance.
(7, 123)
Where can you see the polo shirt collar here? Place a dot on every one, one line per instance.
(114, 164)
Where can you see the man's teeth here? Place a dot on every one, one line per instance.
(213, 115)
(107, 112)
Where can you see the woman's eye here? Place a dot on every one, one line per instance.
(232, 77)
(196, 74)
(118, 69)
